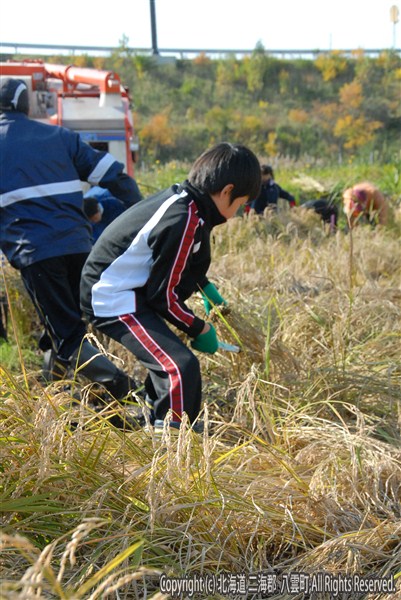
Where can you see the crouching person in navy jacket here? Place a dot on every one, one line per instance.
(270, 192)
(150, 260)
(44, 232)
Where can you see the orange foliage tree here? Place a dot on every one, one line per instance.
(355, 132)
(157, 134)
(351, 95)
(331, 65)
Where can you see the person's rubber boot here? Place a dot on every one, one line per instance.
(95, 366)
(54, 368)
(89, 362)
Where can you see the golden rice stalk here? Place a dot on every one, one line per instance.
(257, 346)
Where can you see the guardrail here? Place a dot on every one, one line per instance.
(15, 48)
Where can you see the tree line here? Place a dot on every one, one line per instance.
(334, 108)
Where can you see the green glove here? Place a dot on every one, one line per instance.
(206, 342)
(211, 297)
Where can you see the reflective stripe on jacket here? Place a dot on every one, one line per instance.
(41, 169)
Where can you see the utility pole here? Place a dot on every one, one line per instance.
(155, 50)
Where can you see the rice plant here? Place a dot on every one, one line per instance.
(298, 471)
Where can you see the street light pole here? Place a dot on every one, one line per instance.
(153, 27)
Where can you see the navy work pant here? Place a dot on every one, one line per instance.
(174, 379)
(53, 285)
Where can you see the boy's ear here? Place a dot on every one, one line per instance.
(226, 191)
(222, 199)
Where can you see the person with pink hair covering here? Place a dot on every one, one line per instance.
(365, 200)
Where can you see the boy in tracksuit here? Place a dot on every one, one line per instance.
(151, 259)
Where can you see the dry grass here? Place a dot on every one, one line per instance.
(300, 470)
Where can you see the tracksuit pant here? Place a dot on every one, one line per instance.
(174, 378)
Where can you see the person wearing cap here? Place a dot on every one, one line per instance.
(44, 232)
(270, 192)
(365, 201)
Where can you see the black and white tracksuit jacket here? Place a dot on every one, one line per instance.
(156, 253)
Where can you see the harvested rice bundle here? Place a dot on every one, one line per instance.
(258, 346)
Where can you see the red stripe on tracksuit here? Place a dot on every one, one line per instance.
(174, 307)
(164, 360)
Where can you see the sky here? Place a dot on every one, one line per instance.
(205, 24)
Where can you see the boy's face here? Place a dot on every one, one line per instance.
(232, 209)
(222, 201)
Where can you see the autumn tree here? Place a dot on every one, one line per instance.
(351, 95)
(352, 127)
(157, 135)
(355, 132)
(331, 65)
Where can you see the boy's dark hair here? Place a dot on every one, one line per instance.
(224, 164)
(91, 207)
(267, 170)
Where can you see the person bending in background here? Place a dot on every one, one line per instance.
(151, 259)
(326, 209)
(270, 192)
(101, 208)
(364, 201)
(44, 232)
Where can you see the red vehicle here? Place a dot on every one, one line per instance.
(92, 102)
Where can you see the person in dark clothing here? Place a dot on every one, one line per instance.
(270, 192)
(151, 259)
(101, 208)
(326, 209)
(44, 232)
